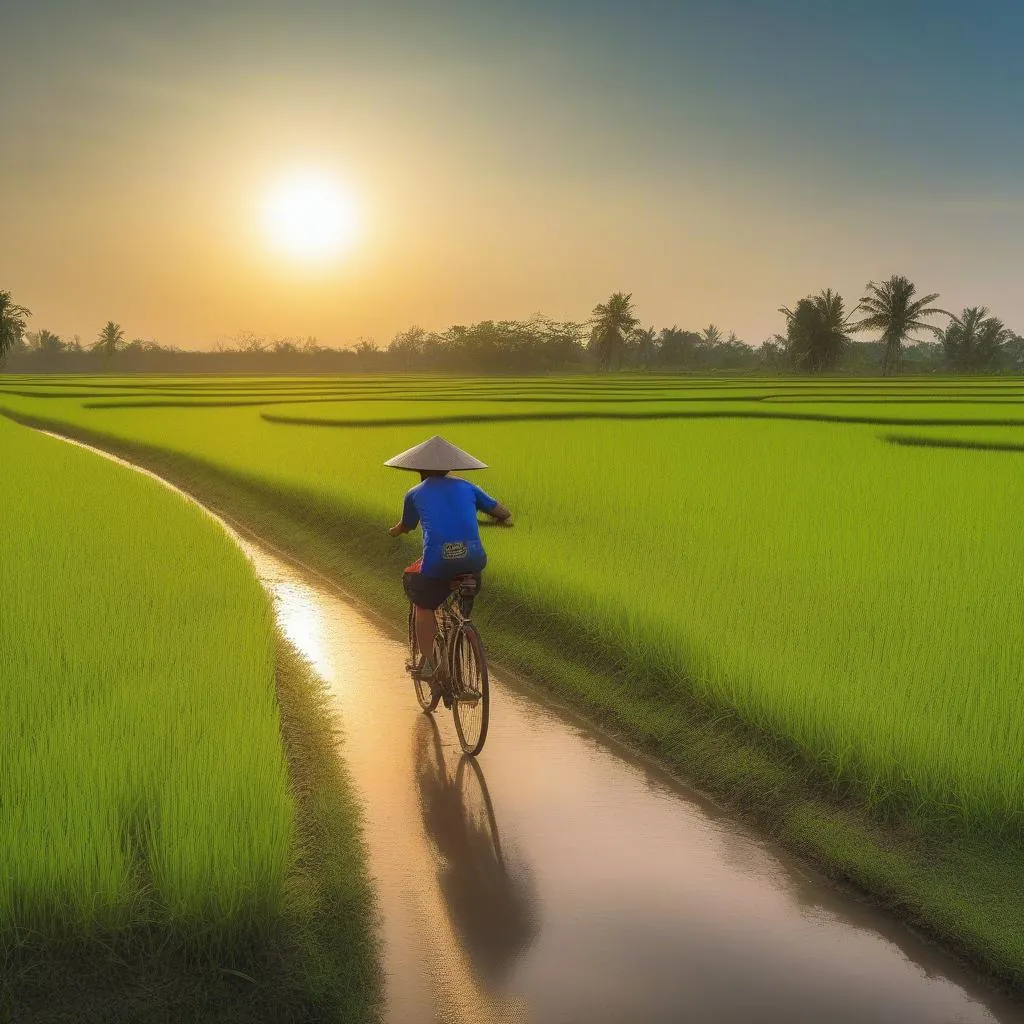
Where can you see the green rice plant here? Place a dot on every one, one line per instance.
(854, 600)
(142, 779)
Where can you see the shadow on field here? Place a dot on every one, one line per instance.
(460, 396)
(736, 414)
(909, 441)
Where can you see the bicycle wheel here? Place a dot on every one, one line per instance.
(471, 705)
(427, 700)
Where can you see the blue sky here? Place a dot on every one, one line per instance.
(717, 160)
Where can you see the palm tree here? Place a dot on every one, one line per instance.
(711, 336)
(816, 331)
(12, 324)
(973, 340)
(110, 339)
(991, 343)
(891, 309)
(610, 323)
(46, 342)
(643, 346)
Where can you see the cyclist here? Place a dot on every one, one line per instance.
(446, 507)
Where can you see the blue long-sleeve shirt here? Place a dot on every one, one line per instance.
(446, 507)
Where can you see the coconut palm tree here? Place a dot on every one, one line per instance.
(643, 346)
(109, 340)
(12, 324)
(46, 342)
(892, 309)
(973, 340)
(611, 322)
(711, 336)
(816, 331)
(993, 343)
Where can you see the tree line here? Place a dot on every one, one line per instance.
(910, 334)
(818, 330)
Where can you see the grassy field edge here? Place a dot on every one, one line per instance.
(324, 965)
(959, 889)
(336, 954)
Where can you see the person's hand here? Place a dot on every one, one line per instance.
(397, 530)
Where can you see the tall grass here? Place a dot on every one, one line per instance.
(857, 600)
(142, 780)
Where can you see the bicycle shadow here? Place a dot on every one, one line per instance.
(492, 907)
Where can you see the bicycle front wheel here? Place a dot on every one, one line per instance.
(472, 703)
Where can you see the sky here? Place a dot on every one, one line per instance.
(717, 160)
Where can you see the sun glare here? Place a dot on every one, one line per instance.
(310, 217)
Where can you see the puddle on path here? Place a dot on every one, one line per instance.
(556, 881)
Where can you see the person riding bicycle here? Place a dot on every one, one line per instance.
(446, 507)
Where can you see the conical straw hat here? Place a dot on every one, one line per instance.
(438, 454)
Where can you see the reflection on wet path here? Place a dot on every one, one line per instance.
(492, 907)
(409, 782)
(556, 881)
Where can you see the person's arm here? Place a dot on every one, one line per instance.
(491, 506)
(410, 518)
(500, 513)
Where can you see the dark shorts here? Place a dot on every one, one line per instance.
(429, 591)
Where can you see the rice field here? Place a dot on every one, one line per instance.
(143, 782)
(768, 547)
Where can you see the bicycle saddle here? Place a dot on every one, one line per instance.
(464, 584)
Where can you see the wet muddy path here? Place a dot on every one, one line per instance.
(554, 880)
(557, 880)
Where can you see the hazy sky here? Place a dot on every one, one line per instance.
(717, 159)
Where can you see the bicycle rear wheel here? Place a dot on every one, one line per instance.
(472, 704)
(427, 700)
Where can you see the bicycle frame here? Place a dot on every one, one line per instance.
(451, 616)
(461, 674)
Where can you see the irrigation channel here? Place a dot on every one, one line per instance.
(561, 879)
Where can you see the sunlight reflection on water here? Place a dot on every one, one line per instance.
(301, 617)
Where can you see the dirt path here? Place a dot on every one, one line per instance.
(557, 880)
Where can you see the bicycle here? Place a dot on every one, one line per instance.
(461, 666)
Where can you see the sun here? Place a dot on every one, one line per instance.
(309, 216)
